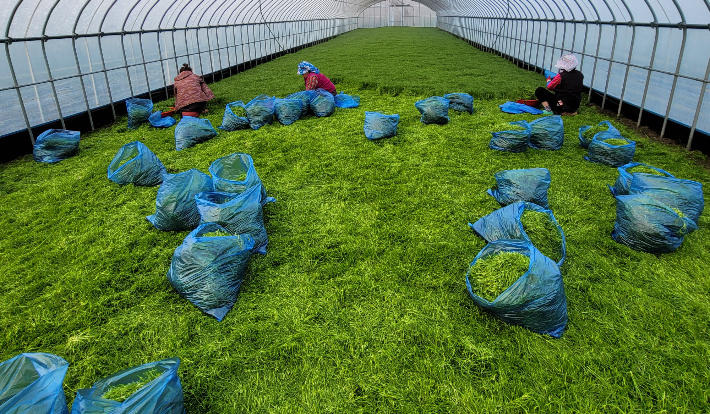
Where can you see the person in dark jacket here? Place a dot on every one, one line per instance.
(567, 88)
(191, 93)
(314, 79)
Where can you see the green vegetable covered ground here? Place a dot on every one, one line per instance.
(360, 305)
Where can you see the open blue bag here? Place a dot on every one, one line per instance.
(54, 145)
(288, 111)
(547, 133)
(175, 207)
(305, 97)
(157, 120)
(135, 164)
(208, 271)
(379, 125)
(684, 195)
(238, 213)
(611, 155)
(322, 103)
(139, 111)
(191, 131)
(461, 102)
(537, 300)
(515, 140)
(623, 181)
(522, 185)
(434, 110)
(346, 101)
(648, 225)
(611, 132)
(511, 107)
(505, 224)
(260, 111)
(230, 120)
(163, 395)
(235, 173)
(31, 383)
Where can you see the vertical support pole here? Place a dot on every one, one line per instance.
(699, 107)
(675, 79)
(19, 94)
(648, 76)
(81, 81)
(103, 69)
(51, 82)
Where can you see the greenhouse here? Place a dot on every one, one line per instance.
(213, 206)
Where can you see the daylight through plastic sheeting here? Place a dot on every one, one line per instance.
(67, 57)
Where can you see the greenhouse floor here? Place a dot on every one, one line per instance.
(360, 304)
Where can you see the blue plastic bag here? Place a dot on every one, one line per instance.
(547, 133)
(305, 97)
(322, 103)
(522, 185)
(230, 120)
(54, 145)
(461, 102)
(191, 131)
(288, 111)
(163, 395)
(238, 213)
(260, 111)
(346, 101)
(549, 74)
(208, 271)
(611, 155)
(623, 181)
(157, 120)
(31, 383)
(434, 110)
(648, 225)
(235, 173)
(135, 164)
(175, 207)
(139, 111)
(515, 140)
(379, 125)
(505, 224)
(683, 195)
(611, 132)
(511, 107)
(537, 300)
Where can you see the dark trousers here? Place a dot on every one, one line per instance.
(543, 95)
(194, 107)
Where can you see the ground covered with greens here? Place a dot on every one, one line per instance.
(360, 304)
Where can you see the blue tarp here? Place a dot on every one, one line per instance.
(522, 185)
(175, 207)
(379, 125)
(136, 164)
(518, 108)
(54, 145)
(157, 120)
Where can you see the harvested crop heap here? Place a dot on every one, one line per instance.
(543, 233)
(493, 275)
(122, 392)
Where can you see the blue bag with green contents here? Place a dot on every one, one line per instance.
(685, 196)
(191, 131)
(461, 102)
(522, 185)
(343, 100)
(139, 111)
(585, 139)
(235, 173)
(31, 383)
(547, 133)
(434, 110)
(305, 97)
(623, 181)
(136, 164)
(260, 111)
(54, 145)
(379, 125)
(515, 140)
(611, 154)
(322, 103)
(231, 121)
(288, 111)
(152, 388)
(175, 207)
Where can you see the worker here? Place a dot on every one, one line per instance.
(566, 86)
(314, 79)
(191, 93)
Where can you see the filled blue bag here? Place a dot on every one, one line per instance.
(522, 185)
(288, 111)
(547, 133)
(162, 395)
(505, 224)
(31, 383)
(537, 300)
(260, 111)
(231, 121)
(515, 140)
(175, 207)
(683, 195)
(511, 107)
(135, 164)
(54, 145)
(379, 125)
(609, 154)
(322, 103)
(235, 173)
(139, 111)
(157, 120)
(434, 110)
(191, 131)
(623, 181)
(346, 101)
(305, 97)
(648, 225)
(461, 102)
(238, 213)
(209, 270)
(611, 132)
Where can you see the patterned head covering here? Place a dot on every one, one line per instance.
(304, 67)
(567, 62)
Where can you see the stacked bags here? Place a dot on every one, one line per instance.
(545, 133)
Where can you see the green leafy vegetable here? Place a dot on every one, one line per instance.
(493, 275)
(123, 391)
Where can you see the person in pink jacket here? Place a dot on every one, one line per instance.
(191, 93)
(314, 79)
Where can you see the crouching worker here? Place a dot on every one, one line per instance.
(567, 86)
(191, 93)
(314, 79)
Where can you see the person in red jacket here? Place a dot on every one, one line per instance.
(191, 93)
(314, 79)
